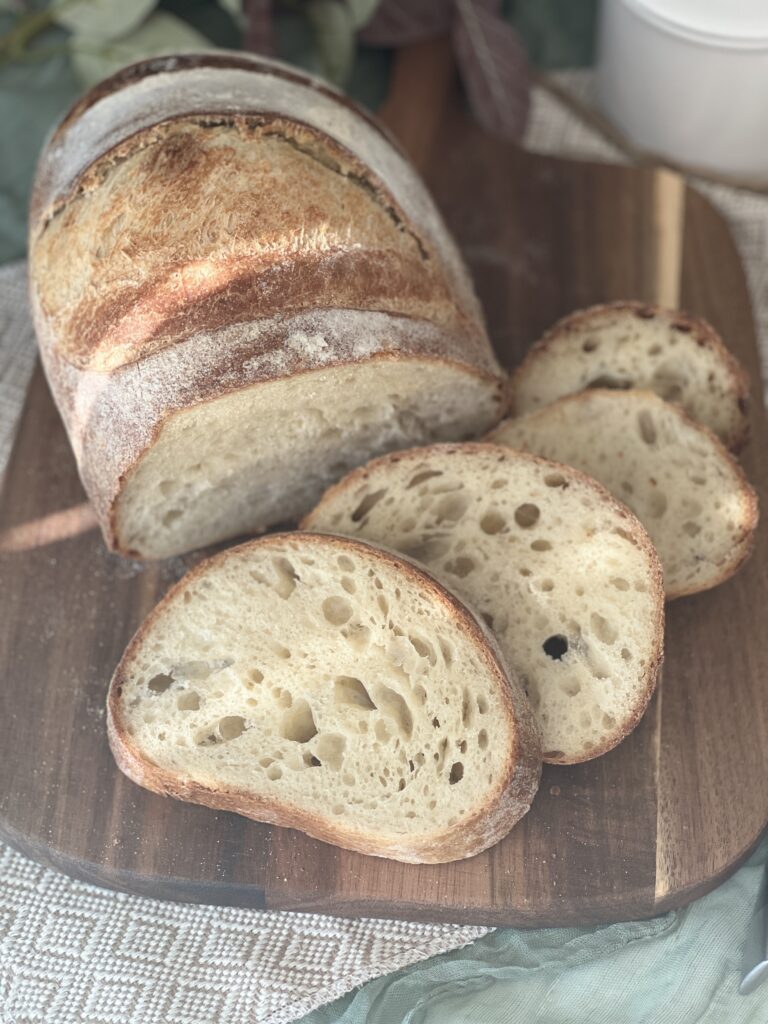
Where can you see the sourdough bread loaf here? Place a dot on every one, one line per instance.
(241, 289)
(676, 476)
(564, 574)
(322, 684)
(632, 345)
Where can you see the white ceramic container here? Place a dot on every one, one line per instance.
(688, 80)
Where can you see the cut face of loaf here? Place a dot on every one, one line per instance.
(630, 345)
(675, 475)
(280, 234)
(565, 576)
(264, 455)
(321, 684)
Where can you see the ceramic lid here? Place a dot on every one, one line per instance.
(730, 22)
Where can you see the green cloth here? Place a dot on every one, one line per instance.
(682, 968)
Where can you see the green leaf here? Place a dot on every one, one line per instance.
(362, 11)
(101, 20)
(161, 33)
(235, 8)
(334, 32)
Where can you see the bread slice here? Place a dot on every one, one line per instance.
(564, 574)
(684, 486)
(322, 684)
(631, 345)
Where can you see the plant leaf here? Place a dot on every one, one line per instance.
(161, 33)
(334, 32)
(235, 8)
(494, 68)
(362, 11)
(101, 19)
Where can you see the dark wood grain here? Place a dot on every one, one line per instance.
(657, 821)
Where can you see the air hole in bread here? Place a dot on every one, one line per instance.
(497, 485)
(556, 646)
(606, 380)
(446, 650)
(351, 691)
(451, 507)
(348, 584)
(590, 345)
(255, 676)
(466, 708)
(603, 629)
(345, 563)
(286, 577)
(283, 697)
(691, 528)
(367, 504)
(337, 610)
(570, 687)
(541, 545)
(609, 721)
(657, 504)
(627, 487)
(654, 350)
(231, 727)
(429, 548)
(421, 478)
(482, 739)
(423, 648)
(626, 654)
(493, 522)
(168, 487)
(171, 516)
(189, 700)
(383, 735)
(280, 650)
(201, 669)
(646, 426)
(160, 682)
(524, 572)
(298, 723)
(555, 480)
(357, 635)
(482, 704)
(456, 773)
(625, 535)
(619, 583)
(668, 381)
(487, 619)
(330, 749)
(274, 772)
(461, 566)
(383, 604)
(547, 585)
(527, 515)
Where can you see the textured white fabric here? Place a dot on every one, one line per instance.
(74, 954)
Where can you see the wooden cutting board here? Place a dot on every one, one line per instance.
(659, 820)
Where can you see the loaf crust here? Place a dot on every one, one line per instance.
(145, 308)
(554, 341)
(485, 827)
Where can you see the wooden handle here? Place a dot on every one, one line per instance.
(420, 86)
(669, 227)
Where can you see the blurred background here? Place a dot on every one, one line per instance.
(51, 51)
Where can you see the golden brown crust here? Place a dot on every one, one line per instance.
(633, 527)
(703, 333)
(504, 807)
(326, 237)
(141, 313)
